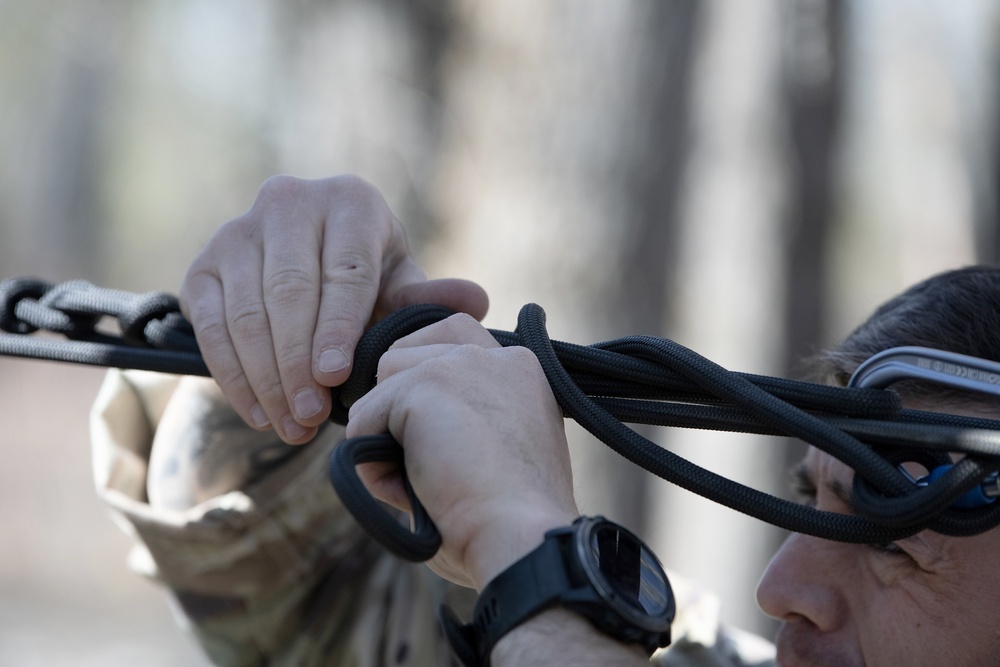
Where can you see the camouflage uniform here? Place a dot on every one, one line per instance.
(264, 564)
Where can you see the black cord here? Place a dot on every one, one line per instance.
(636, 379)
(147, 331)
(655, 381)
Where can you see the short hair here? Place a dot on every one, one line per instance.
(956, 311)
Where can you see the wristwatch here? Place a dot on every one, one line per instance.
(594, 568)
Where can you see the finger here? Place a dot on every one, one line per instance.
(384, 480)
(202, 305)
(291, 288)
(401, 359)
(407, 377)
(459, 329)
(250, 330)
(372, 413)
(360, 234)
(461, 296)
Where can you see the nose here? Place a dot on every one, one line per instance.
(803, 583)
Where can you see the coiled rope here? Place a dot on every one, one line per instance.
(636, 379)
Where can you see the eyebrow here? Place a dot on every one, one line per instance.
(803, 479)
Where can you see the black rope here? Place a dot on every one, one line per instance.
(106, 327)
(636, 379)
(655, 381)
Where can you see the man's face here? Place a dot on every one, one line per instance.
(925, 600)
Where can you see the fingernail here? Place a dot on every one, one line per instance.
(292, 429)
(306, 403)
(258, 417)
(332, 360)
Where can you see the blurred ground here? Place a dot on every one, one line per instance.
(66, 597)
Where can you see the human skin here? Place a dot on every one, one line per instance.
(279, 298)
(486, 452)
(470, 414)
(280, 295)
(928, 599)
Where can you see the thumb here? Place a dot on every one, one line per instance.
(462, 296)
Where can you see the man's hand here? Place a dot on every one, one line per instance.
(484, 443)
(486, 453)
(280, 296)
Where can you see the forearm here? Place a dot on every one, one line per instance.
(560, 637)
(242, 547)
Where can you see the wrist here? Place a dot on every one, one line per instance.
(508, 538)
(558, 636)
(593, 568)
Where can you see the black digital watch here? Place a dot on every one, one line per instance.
(594, 568)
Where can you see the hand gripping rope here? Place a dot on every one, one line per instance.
(636, 379)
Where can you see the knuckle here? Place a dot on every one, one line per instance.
(279, 190)
(288, 280)
(211, 331)
(352, 268)
(520, 354)
(232, 233)
(463, 321)
(196, 271)
(292, 354)
(232, 378)
(343, 327)
(353, 185)
(248, 322)
(283, 189)
(524, 359)
(201, 278)
(468, 328)
(354, 193)
(458, 361)
(270, 392)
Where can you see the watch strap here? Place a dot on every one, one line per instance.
(504, 604)
(569, 569)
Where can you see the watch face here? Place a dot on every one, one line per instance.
(628, 572)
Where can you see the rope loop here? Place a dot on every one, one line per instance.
(642, 379)
(62, 311)
(141, 312)
(12, 292)
(151, 332)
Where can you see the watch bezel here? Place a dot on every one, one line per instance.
(645, 621)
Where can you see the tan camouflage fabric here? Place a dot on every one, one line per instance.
(264, 564)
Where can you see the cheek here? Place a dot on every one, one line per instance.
(892, 624)
(929, 619)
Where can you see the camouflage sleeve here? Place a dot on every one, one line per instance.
(263, 563)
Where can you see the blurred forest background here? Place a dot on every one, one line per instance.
(748, 178)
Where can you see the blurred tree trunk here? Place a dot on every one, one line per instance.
(654, 168)
(578, 179)
(811, 87)
(56, 194)
(728, 295)
(652, 179)
(988, 201)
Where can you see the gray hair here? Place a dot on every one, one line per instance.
(957, 311)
